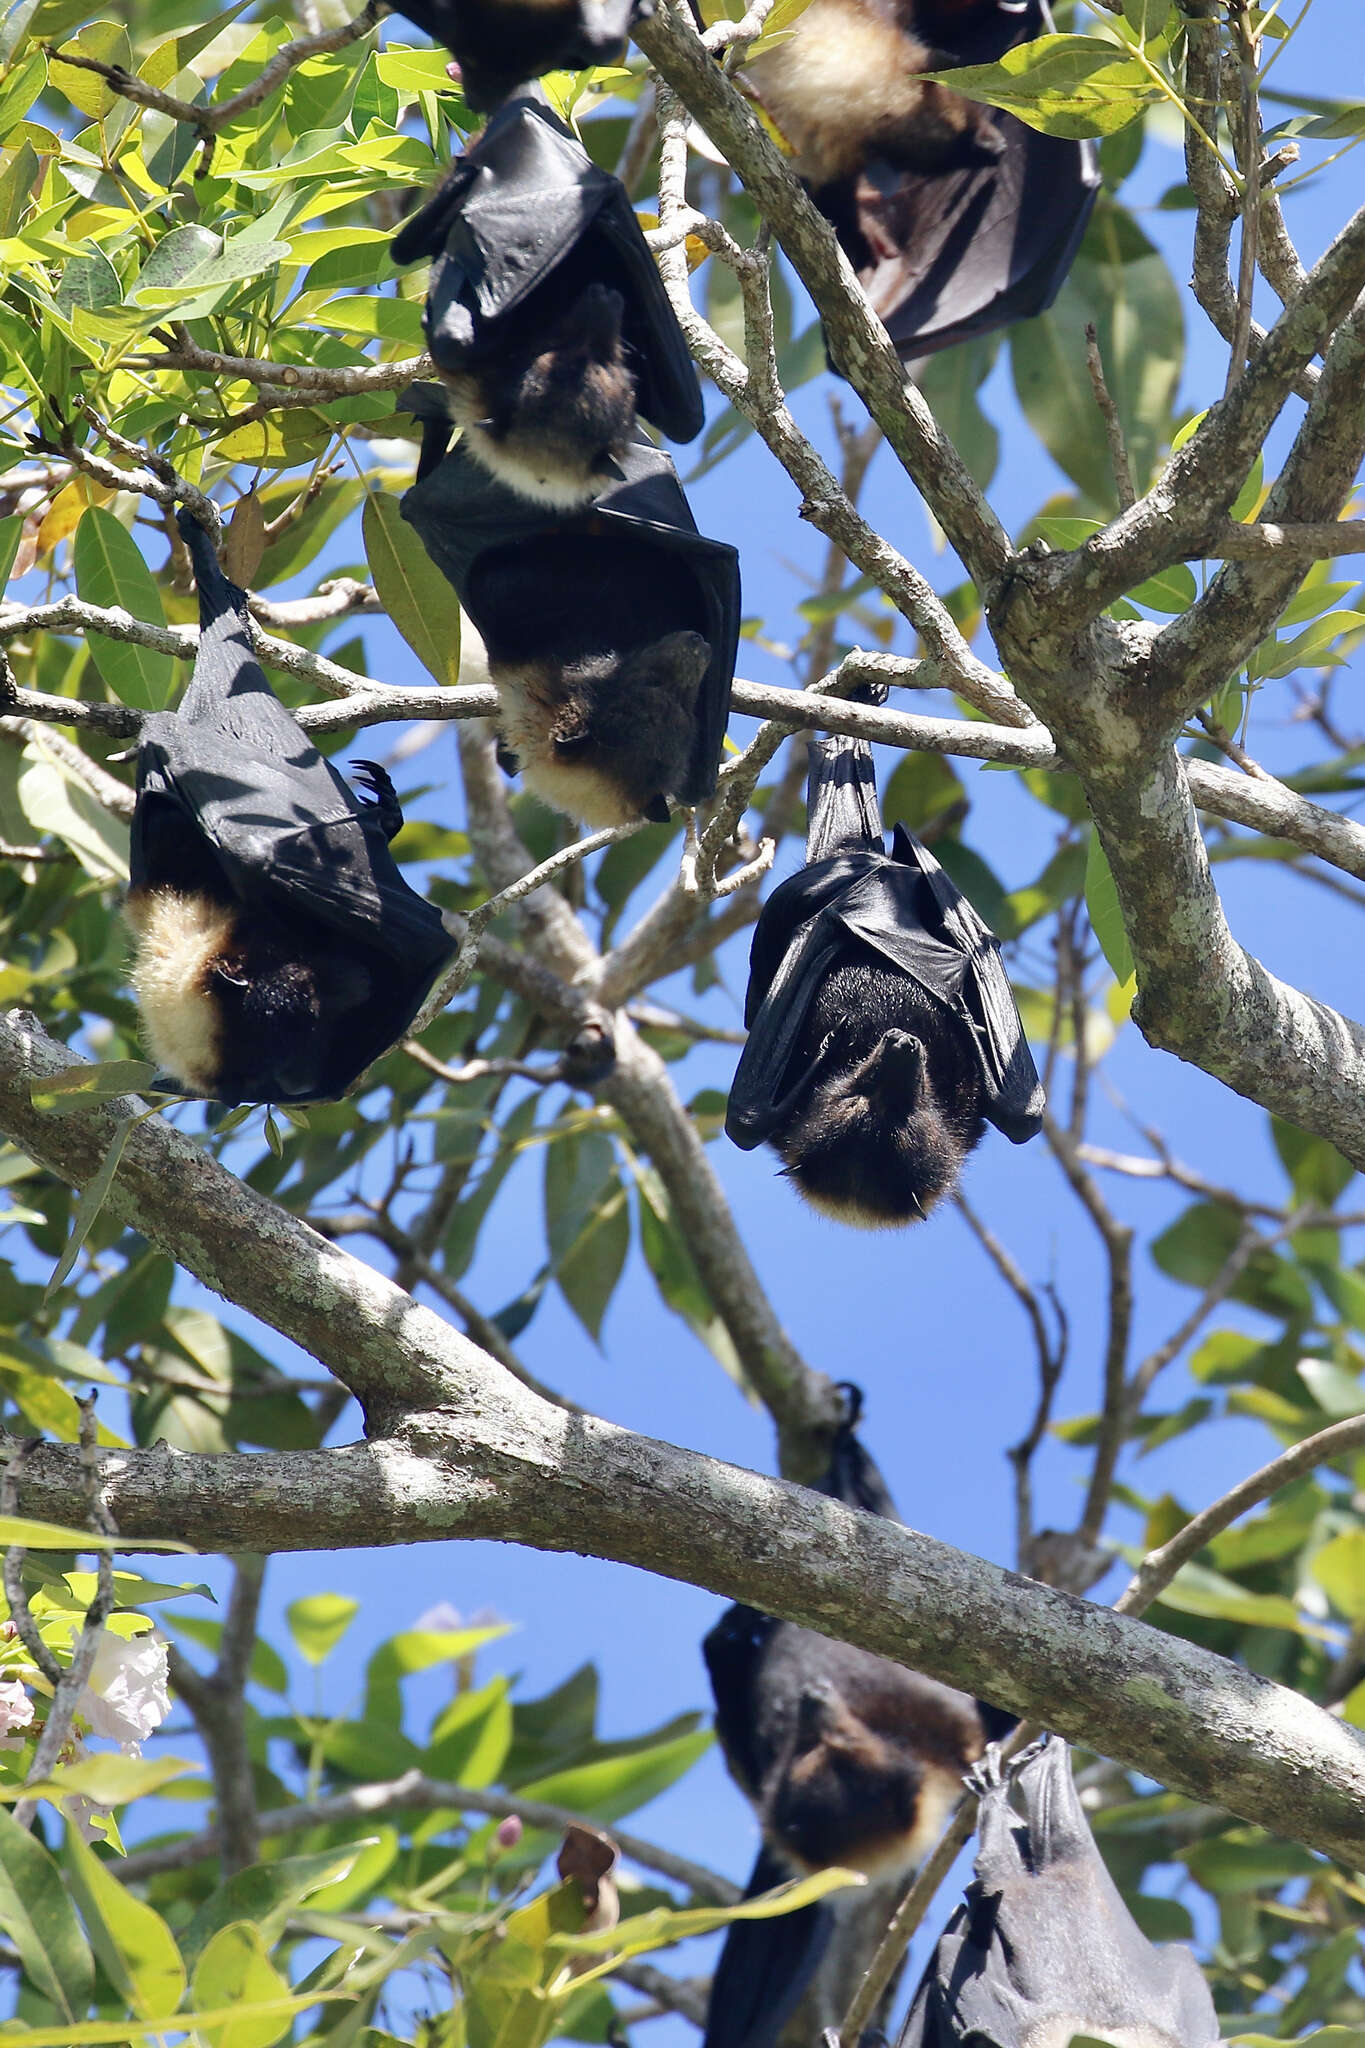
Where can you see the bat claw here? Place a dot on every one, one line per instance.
(381, 797)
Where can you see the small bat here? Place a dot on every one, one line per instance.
(545, 314)
(847, 1759)
(499, 43)
(278, 950)
(956, 216)
(883, 1033)
(1043, 1947)
(610, 632)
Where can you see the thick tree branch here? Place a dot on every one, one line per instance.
(459, 1448)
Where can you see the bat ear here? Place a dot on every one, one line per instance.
(657, 811)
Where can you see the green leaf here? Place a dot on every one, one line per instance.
(235, 1968)
(417, 1649)
(93, 1198)
(74, 1088)
(134, 1946)
(40, 1920)
(263, 1895)
(1147, 18)
(20, 89)
(411, 588)
(661, 1927)
(471, 1738)
(615, 1786)
(1316, 1169)
(110, 572)
(318, 1622)
(1073, 86)
(1196, 1589)
(1121, 284)
(54, 801)
(267, 1665)
(1339, 1569)
(107, 43)
(1106, 918)
(34, 1535)
(587, 1222)
(110, 1779)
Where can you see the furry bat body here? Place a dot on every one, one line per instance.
(883, 1034)
(957, 218)
(278, 950)
(547, 320)
(847, 1759)
(610, 633)
(1044, 1947)
(499, 43)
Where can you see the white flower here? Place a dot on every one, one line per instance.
(16, 1708)
(126, 1696)
(442, 1619)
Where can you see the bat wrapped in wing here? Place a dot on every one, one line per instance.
(848, 1760)
(499, 43)
(883, 1033)
(278, 949)
(546, 316)
(1044, 1948)
(956, 216)
(611, 632)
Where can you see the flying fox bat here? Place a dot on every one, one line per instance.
(278, 950)
(1043, 1947)
(957, 218)
(610, 632)
(883, 1033)
(499, 43)
(545, 314)
(847, 1759)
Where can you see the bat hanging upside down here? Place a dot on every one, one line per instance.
(278, 949)
(957, 217)
(848, 86)
(848, 1759)
(1044, 1948)
(883, 1033)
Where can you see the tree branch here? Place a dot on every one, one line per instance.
(459, 1448)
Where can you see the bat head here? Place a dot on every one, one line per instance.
(551, 417)
(895, 1104)
(232, 1005)
(857, 1789)
(603, 737)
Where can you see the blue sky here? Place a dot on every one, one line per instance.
(917, 1318)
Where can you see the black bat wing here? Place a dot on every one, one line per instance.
(1044, 1945)
(734, 1650)
(527, 204)
(1014, 1095)
(947, 254)
(765, 1966)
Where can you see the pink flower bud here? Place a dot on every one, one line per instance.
(509, 1832)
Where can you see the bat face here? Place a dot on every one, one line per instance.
(894, 1107)
(603, 739)
(233, 1006)
(598, 697)
(550, 412)
(847, 86)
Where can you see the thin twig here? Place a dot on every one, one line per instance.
(217, 1700)
(1248, 137)
(1160, 1566)
(1113, 425)
(419, 1794)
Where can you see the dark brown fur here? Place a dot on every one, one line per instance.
(897, 1106)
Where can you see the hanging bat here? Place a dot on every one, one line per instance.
(1044, 1947)
(956, 216)
(278, 950)
(610, 633)
(847, 1759)
(499, 43)
(883, 1033)
(545, 314)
